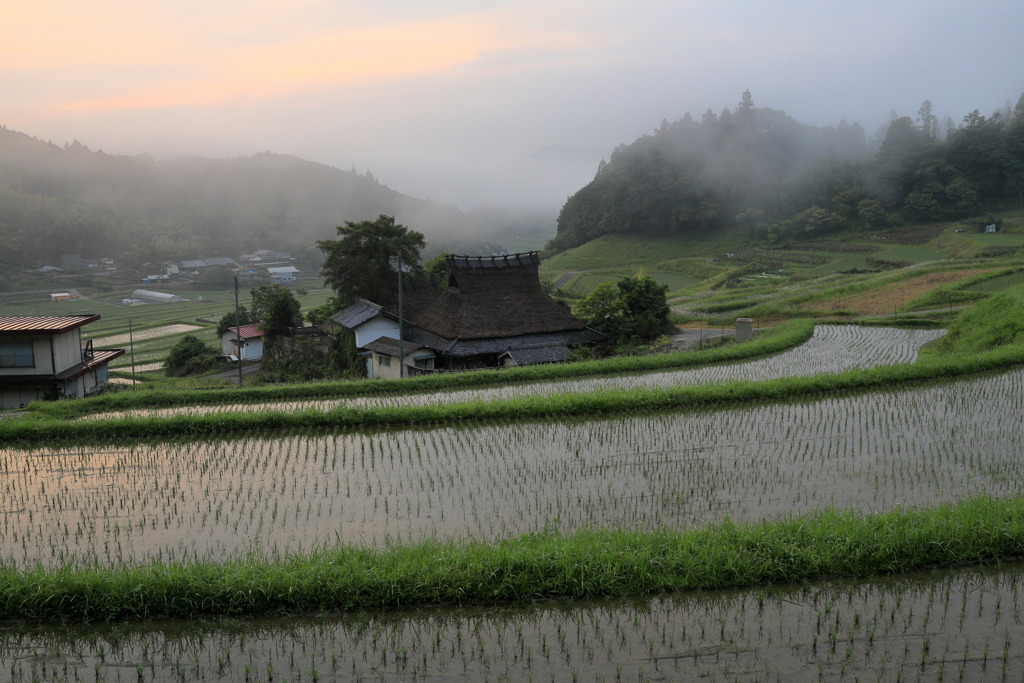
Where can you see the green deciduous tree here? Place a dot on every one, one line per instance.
(362, 262)
(871, 213)
(634, 309)
(228, 320)
(604, 311)
(276, 309)
(646, 305)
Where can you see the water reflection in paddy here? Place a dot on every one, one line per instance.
(831, 349)
(953, 625)
(273, 493)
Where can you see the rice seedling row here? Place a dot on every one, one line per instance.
(213, 499)
(952, 625)
(769, 341)
(831, 349)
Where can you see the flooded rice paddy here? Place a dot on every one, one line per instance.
(219, 498)
(953, 625)
(271, 494)
(832, 349)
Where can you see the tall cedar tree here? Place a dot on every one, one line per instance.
(362, 262)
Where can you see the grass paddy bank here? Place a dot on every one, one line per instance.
(769, 341)
(948, 625)
(586, 564)
(523, 407)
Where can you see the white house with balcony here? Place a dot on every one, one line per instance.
(43, 357)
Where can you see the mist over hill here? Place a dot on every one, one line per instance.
(761, 170)
(61, 200)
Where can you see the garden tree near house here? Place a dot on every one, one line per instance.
(362, 263)
(632, 308)
(646, 305)
(605, 311)
(190, 356)
(276, 309)
(228, 320)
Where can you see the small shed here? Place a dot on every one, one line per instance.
(62, 296)
(252, 342)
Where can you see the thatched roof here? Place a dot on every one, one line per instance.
(494, 296)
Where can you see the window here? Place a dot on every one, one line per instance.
(16, 354)
(384, 360)
(425, 363)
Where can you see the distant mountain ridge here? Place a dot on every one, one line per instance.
(56, 200)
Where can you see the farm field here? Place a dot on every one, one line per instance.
(585, 283)
(995, 239)
(221, 498)
(831, 349)
(951, 625)
(156, 328)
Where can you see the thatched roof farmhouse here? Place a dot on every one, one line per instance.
(492, 313)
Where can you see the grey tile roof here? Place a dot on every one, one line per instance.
(390, 346)
(541, 354)
(479, 347)
(358, 313)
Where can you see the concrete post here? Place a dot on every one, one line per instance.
(744, 329)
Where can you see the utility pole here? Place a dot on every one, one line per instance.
(131, 343)
(238, 334)
(401, 328)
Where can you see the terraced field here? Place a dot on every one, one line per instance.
(955, 625)
(831, 349)
(215, 499)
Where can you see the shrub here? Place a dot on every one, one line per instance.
(190, 356)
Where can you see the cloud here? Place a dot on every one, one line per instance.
(450, 98)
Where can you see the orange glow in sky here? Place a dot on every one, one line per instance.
(117, 55)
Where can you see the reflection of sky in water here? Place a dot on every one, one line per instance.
(964, 621)
(215, 498)
(831, 349)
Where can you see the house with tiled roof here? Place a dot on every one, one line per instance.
(43, 357)
(251, 337)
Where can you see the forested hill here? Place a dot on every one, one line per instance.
(62, 200)
(761, 170)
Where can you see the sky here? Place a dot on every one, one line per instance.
(489, 103)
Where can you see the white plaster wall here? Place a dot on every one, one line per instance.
(252, 349)
(375, 329)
